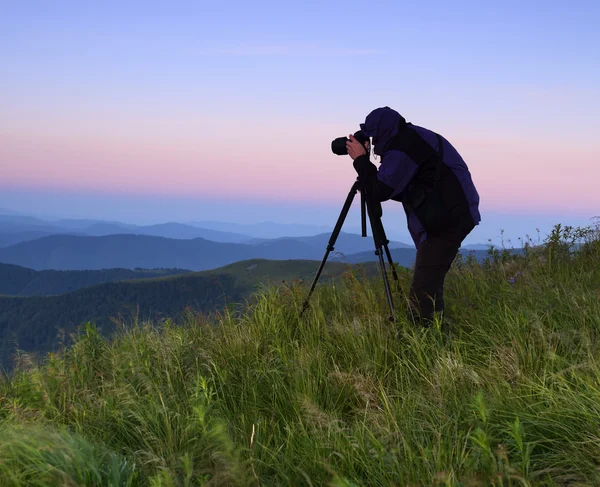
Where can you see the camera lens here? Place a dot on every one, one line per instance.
(338, 146)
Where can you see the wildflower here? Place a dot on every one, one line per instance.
(513, 279)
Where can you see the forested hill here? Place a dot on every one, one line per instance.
(21, 281)
(34, 323)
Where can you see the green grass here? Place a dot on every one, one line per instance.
(510, 395)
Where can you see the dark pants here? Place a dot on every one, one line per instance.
(434, 258)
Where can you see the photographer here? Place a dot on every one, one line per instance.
(424, 172)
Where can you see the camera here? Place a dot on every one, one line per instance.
(338, 146)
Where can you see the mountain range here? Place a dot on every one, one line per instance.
(19, 228)
(74, 252)
(16, 227)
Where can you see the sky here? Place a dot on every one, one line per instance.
(178, 111)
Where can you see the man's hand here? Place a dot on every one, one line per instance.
(355, 148)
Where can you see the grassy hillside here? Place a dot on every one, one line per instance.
(21, 281)
(38, 324)
(509, 396)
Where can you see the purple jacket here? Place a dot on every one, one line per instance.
(397, 168)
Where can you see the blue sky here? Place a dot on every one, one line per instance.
(149, 111)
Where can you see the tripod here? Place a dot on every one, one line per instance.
(373, 208)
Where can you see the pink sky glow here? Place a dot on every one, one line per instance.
(508, 173)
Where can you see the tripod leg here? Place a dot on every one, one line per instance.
(392, 266)
(391, 262)
(332, 239)
(380, 241)
(363, 215)
(386, 284)
(389, 256)
(385, 242)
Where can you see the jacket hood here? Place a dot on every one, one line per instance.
(382, 124)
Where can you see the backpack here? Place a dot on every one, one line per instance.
(422, 196)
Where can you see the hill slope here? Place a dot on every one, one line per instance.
(33, 322)
(21, 281)
(405, 257)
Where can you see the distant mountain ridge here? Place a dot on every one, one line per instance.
(15, 228)
(5, 211)
(266, 230)
(167, 230)
(63, 252)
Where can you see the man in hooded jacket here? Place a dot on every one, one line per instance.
(414, 157)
